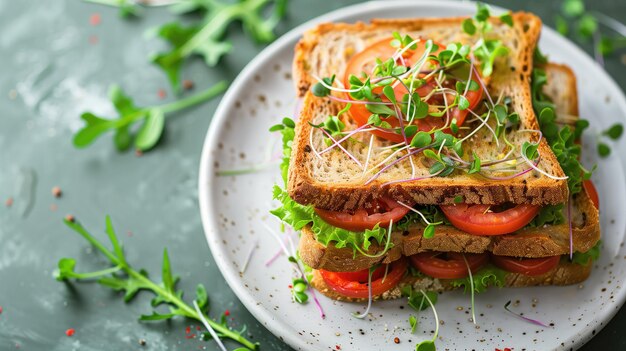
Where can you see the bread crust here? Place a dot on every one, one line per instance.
(565, 273)
(304, 188)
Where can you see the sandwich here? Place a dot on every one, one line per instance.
(435, 154)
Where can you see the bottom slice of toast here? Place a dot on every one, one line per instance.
(565, 273)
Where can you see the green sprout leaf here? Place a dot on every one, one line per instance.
(506, 18)
(469, 27)
(413, 323)
(603, 149)
(429, 231)
(420, 140)
(615, 131)
(320, 90)
(587, 25)
(426, 345)
(475, 165)
(573, 8)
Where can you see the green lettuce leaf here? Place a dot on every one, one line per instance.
(551, 215)
(484, 278)
(582, 258)
(298, 216)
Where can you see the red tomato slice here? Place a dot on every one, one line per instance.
(356, 289)
(448, 265)
(385, 211)
(476, 219)
(526, 266)
(363, 63)
(592, 192)
(362, 276)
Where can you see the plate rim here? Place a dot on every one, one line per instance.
(208, 212)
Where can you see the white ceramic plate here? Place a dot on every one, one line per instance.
(234, 208)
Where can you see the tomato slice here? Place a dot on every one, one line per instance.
(448, 265)
(357, 289)
(382, 214)
(592, 192)
(364, 61)
(478, 220)
(363, 275)
(526, 266)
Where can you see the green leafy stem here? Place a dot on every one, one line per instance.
(206, 39)
(153, 119)
(123, 277)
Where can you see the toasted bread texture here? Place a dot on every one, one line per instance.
(529, 242)
(564, 274)
(334, 181)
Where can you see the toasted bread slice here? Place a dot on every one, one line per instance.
(565, 273)
(545, 241)
(333, 181)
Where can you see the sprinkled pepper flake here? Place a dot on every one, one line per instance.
(337, 347)
(70, 218)
(396, 340)
(70, 332)
(188, 84)
(94, 19)
(57, 192)
(142, 342)
(1, 310)
(162, 94)
(227, 313)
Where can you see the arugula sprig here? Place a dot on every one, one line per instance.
(127, 8)
(123, 277)
(206, 39)
(153, 119)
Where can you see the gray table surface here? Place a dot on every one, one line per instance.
(54, 65)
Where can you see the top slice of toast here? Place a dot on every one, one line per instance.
(530, 242)
(335, 182)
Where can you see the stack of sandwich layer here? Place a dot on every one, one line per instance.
(344, 178)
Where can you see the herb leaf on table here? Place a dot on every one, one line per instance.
(125, 278)
(152, 118)
(206, 39)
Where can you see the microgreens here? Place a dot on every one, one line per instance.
(206, 39)
(416, 299)
(399, 41)
(586, 25)
(413, 323)
(370, 272)
(486, 50)
(321, 90)
(533, 321)
(429, 345)
(298, 290)
(562, 140)
(153, 119)
(123, 277)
